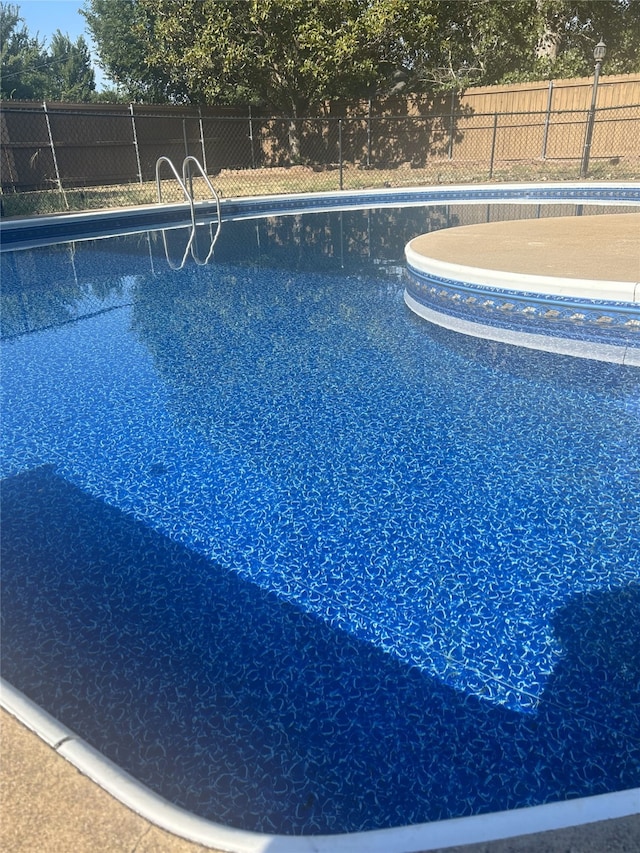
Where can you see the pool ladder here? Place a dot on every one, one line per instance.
(186, 185)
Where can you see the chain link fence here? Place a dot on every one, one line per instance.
(56, 158)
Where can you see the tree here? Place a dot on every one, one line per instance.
(70, 76)
(484, 42)
(287, 55)
(22, 57)
(548, 39)
(29, 71)
(481, 41)
(290, 56)
(123, 33)
(566, 32)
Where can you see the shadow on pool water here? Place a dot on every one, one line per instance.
(243, 708)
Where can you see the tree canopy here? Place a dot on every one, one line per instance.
(69, 71)
(290, 56)
(22, 57)
(29, 70)
(284, 54)
(123, 33)
(560, 37)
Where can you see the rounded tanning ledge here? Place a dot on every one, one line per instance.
(569, 285)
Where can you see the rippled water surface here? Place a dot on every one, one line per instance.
(298, 560)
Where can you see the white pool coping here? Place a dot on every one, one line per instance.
(404, 839)
(547, 285)
(104, 222)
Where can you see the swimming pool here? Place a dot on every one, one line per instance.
(297, 560)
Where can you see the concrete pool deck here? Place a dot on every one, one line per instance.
(47, 805)
(536, 284)
(603, 247)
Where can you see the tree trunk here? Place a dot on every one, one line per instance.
(294, 141)
(550, 38)
(548, 44)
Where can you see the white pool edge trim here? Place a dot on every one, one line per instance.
(580, 288)
(405, 839)
(610, 353)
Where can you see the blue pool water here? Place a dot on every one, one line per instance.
(296, 559)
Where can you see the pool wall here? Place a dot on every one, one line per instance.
(568, 316)
(41, 230)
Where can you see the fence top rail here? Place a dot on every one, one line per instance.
(8, 107)
(556, 83)
(471, 113)
(117, 110)
(449, 115)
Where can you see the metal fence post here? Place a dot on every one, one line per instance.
(340, 151)
(591, 117)
(53, 152)
(452, 123)
(547, 121)
(253, 153)
(204, 153)
(599, 53)
(586, 151)
(493, 143)
(184, 137)
(135, 142)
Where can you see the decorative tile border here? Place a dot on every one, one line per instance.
(588, 318)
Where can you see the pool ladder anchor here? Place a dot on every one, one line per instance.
(185, 182)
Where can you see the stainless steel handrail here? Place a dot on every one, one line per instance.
(186, 185)
(169, 163)
(187, 176)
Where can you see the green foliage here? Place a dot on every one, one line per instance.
(485, 42)
(287, 55)
(123, 31)
(110, 95)
(556, 38)
(70, 75)
(29, 71)
(291, 56)
(23, 59)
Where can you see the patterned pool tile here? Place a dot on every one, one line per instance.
(298, 560)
